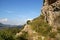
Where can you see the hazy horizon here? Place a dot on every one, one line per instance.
(17, 12)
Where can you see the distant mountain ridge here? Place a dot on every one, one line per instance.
(1, 25)
(9, 26)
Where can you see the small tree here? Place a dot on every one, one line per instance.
(28, 21)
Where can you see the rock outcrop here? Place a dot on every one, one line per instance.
(51, 11)
(32, 35)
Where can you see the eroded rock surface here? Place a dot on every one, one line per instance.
(32, 35)
(51, 11)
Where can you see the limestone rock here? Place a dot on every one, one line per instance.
(32, 35)
(51, 11)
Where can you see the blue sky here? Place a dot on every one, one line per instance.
(17, 12)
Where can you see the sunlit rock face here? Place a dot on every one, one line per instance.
(32, 35)
(51, 11)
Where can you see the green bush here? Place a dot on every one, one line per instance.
(52, 34)
(8, 33)
(28, 21)
(58, 29)
(24, 36)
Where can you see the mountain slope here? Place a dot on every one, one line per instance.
(44, 27)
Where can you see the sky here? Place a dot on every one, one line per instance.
(17, 12)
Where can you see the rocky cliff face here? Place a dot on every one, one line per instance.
(51, 11)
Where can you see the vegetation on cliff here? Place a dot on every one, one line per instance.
(40, 26)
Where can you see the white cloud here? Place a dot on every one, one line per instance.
(12, 22)
(2, 20)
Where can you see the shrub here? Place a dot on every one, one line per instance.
(24, 36)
